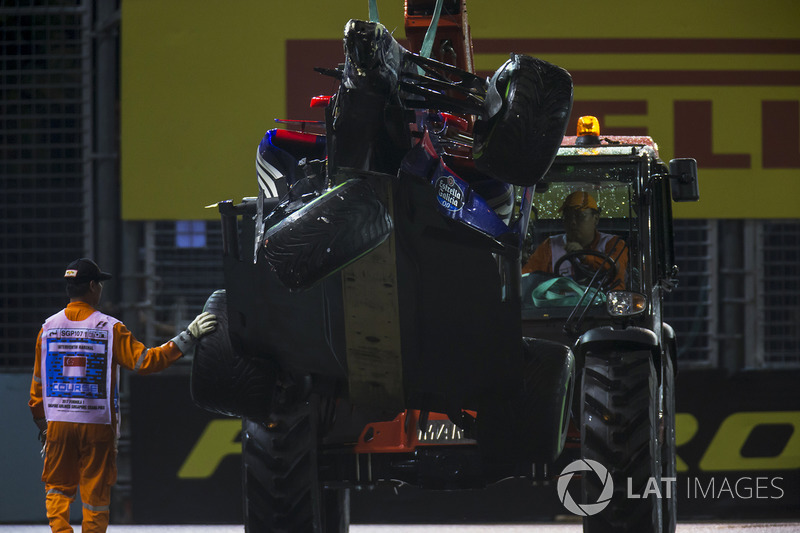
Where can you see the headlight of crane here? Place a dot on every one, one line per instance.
(625, 303)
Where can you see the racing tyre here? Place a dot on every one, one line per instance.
(529, 102)
(280, 476)
(327, 234)
(669, 467)
(619, 416)
(221, 380)
(549, 380)
(539, 411)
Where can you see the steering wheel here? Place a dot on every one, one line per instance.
(583, 273)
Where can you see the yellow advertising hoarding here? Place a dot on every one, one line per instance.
(203, 80)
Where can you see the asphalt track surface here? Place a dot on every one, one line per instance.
(704, 527)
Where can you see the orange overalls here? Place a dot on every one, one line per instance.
(84, 454)
(542, 258)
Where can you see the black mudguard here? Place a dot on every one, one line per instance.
(630, 338)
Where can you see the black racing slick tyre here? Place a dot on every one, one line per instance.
(619, 416)
(528, 104)
(327, 234)
(549, 381)
(280, 476)
(539, 411)
(223, 381)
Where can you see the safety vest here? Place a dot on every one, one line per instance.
(558, 244)
(76, 368)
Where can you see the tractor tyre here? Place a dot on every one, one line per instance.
(669, 467)
(619, 417)
(280, 476)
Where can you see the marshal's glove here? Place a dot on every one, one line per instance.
(203, 324)
(41, 423)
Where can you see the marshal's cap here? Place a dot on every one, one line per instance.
(83, 270)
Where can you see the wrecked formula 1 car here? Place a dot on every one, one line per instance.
(370, 329)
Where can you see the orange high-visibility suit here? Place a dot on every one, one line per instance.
(84, 454)
(542, 259)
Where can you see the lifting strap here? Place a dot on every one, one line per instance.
(373, 11)
(430, 35)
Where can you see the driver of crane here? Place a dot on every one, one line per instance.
(585, 248)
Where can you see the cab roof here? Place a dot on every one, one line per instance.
(569, 140)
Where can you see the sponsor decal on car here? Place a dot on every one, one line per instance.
(449, 194)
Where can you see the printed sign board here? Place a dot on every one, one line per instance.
(202, 82)
(738, 441)
(167, 430)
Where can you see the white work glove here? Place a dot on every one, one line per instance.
(203, 324)
(41, 423)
